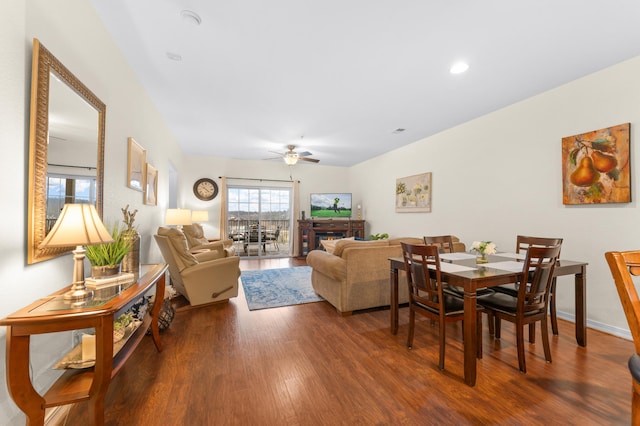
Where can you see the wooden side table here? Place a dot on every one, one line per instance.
(53, 314)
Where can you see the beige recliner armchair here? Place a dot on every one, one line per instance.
(205, 277)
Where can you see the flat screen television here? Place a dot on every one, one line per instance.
(331, 204)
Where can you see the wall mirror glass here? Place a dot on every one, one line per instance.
(66, 148)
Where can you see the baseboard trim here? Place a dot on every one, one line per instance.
(596, 325)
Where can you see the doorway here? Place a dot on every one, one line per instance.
(259, 220)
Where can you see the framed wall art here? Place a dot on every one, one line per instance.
(595, 167)
(151, 185)
(136, 161)
(413, 194)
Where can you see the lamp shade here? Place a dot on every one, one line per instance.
(77, 225)
(200, 216)
(178, 217)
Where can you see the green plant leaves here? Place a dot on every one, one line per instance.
(573, 156)
(110, 253)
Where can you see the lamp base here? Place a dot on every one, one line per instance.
(78, 294)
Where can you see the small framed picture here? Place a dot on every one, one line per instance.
(151, 186)
(135, 165)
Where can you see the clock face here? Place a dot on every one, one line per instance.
(205, 189)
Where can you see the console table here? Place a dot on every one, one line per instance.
(311, 231)
(53, 314)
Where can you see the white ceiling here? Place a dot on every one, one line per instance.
(258, 75)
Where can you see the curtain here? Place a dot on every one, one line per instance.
(293, 244)
(223, 208)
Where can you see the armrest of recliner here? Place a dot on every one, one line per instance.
(213, 270)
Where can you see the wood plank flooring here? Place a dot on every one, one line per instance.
(306, 365)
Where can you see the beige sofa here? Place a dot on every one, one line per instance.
(356, 275)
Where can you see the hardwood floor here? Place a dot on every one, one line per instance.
(307, 365)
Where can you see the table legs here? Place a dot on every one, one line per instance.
(470, 337)
(393, 278)
(581, 306)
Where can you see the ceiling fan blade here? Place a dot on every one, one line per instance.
(276, 153)
(311, 160)
(279, 157)
(304, 154)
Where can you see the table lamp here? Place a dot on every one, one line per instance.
(178, 217)
(78, 225)
(200, 216)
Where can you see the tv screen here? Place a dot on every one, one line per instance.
(331, 205)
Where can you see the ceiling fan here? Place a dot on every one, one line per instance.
(291, 157)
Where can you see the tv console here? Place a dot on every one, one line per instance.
(311, 231)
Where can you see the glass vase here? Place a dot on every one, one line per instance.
(131, 261)
(481, 258)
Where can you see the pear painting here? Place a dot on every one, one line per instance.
(595, 167)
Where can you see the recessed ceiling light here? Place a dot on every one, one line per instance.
(174, 56)
(459, 68)
(191, 16)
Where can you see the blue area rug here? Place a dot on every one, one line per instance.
(272, 288)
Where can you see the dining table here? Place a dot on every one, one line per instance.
(461, 269)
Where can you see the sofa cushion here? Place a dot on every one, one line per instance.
(343, 244)
(178, 243)
(406, 240)
(330, 245)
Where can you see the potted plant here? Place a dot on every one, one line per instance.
(383, 236)
(106, 258)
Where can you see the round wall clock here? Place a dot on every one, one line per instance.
(205, 189)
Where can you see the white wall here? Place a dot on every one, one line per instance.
(500, 175)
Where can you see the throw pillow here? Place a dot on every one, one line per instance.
(330, 245)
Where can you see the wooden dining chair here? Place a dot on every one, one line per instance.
(443, 242)
(426, 296)
(522, 244)
(531, 303)
(623, 265)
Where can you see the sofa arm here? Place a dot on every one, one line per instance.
(332, 266)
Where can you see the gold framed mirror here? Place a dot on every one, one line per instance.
(66, 148)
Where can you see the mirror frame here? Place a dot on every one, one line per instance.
(44, 63)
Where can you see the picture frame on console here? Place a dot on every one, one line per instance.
(151, 185)
(136, 161)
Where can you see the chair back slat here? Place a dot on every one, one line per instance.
(534, 296)
(423, 289)
(443, 242)
(523, 242)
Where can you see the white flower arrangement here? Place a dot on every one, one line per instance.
(483, 247)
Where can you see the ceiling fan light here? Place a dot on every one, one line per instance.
(290, 158)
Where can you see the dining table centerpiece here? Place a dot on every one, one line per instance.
(483, 249)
